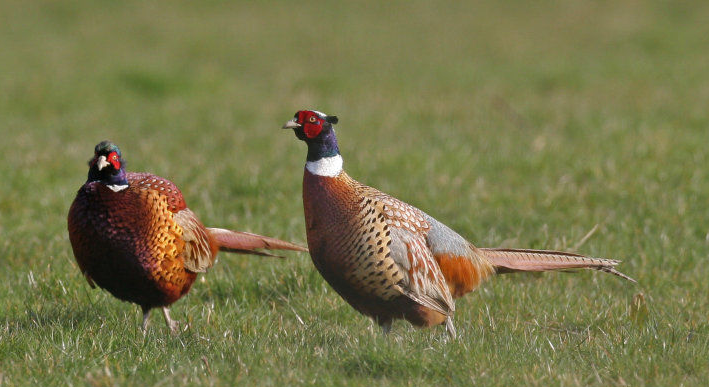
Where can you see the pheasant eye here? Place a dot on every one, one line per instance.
(113, 159)
(312, 119)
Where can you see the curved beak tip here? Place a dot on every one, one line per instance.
(102, 163)
(292, 124)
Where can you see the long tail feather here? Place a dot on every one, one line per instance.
(513, 260)
(247, 243)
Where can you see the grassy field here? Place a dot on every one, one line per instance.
(519, 124)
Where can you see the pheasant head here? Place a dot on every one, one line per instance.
(107, 166)
(316, 129)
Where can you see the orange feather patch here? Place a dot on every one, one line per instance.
(461, 274)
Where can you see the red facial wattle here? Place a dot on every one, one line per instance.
(312, 130)
(114, 160)
(312, 123)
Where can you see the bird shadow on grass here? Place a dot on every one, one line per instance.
(43, 318)
(271, 288)
(377, 364)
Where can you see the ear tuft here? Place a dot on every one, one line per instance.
(331, 119)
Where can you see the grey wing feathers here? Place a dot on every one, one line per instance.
(423, 282)
(444, 241)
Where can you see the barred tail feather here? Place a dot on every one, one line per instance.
(513, 260)
(247, 243)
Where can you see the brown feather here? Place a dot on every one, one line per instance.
(246, 243)
(200, 249)
(515, 260)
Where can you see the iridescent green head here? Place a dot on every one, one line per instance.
(106, 147)
(107, 165)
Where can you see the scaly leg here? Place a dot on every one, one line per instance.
(172, 324)
(146, 317)
(386, 326)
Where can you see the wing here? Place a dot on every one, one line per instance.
(199, 250)
(457, 266)
(423, 280)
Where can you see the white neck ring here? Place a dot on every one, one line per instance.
(326, 166)
(116, 187)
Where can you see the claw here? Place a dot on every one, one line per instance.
(174, 325)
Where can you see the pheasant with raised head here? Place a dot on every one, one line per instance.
(388, 259)
(133, 235)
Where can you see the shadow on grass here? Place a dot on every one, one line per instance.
(273, 288)
(50, 317)
(377, 364)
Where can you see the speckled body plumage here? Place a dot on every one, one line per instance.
(375, 251)
(388, 259)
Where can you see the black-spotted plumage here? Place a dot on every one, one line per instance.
(388, 259)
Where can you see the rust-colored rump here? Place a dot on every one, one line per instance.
(461, 274)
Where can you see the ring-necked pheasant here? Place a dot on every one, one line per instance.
(133, 235)
(388, 259)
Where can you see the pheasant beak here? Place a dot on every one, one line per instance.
(101, 163)
(292, 124)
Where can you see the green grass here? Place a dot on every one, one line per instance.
(521, 124)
